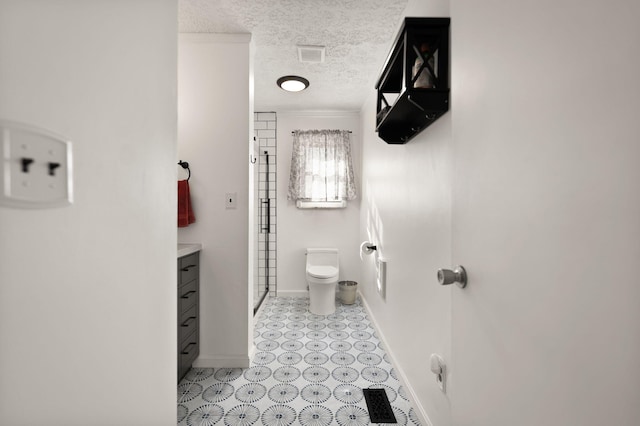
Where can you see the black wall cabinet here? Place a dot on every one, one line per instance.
(413, 90)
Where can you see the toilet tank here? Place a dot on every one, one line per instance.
(322, 256)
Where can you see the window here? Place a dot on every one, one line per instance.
(321, 169)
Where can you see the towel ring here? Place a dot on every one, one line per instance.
(185, 166)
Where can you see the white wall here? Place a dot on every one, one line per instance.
(88, 292)
(299, 229)
(546, 212)
(406, 211)
(213, 136)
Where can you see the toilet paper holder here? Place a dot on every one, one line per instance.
(367, 247)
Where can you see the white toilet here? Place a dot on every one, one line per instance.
(322, 277)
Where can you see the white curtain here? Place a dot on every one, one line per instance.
(321, 166)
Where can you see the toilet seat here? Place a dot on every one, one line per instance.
(322, 271)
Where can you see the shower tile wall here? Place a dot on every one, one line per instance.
(265, 133)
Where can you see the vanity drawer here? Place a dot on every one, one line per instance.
(188, 311)
(187, 323)
(187, 353)
(188, 268)
(187, 296)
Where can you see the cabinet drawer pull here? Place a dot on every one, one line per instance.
(186, 268)
(186, 350)
(187, 321)
(187, 294)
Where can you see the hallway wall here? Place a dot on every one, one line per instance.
(88, 291)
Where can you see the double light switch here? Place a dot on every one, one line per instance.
(36, 167)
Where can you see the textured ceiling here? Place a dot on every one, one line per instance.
(357, 35)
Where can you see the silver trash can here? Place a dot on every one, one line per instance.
(347, 292)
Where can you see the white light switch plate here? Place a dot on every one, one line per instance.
(36, 167)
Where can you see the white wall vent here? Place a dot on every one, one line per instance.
(313, 54)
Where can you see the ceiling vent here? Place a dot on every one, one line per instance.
(311, 54)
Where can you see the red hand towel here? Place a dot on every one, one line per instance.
(185, 212)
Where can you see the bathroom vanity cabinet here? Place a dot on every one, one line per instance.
(188, 314)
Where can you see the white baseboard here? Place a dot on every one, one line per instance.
(231, 361)
(424, 418)
(293, 293)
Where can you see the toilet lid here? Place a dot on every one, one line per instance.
(322, 271)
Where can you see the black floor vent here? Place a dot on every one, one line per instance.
(378, 405)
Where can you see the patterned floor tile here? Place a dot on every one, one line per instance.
(308, 370)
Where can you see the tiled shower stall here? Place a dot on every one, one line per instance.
(266, 204)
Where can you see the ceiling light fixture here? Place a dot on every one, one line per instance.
(293, 83)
